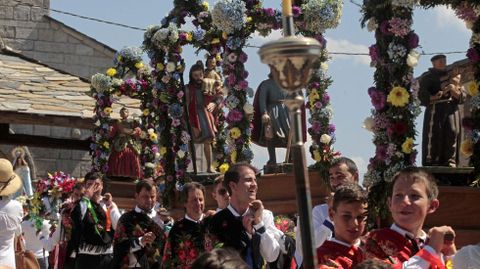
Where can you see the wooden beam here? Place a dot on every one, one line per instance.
(11, 117)
(43, 141)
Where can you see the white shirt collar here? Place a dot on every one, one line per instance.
(406, 233)
(234, 212)
(356, 244)
(192, 220)
(152, 213)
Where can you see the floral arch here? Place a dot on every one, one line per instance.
(221, 31)
(394, 95)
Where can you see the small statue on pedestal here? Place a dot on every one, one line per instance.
(441, 93)
(124, 159)
(204, 102)
(271, 122)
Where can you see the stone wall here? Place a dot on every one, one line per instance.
(73, 162)
(25, 26)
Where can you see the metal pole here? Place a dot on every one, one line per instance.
(302, 182)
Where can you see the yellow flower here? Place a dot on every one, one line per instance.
(139, 65)
(215, 41)
(467, 147)
(119, 58)
(108, 110)
(153, 137)
(180, 49)
(163, 150)
(407, 146)
(473, 88)
(111, 72)
(224, 35)
(205, 5)
(181, 68)
(398, 96)
(189, 37)
(106, 144)
(224, 167)
(146, 112)
(235, 133)
(249, 19)
(160, 67)
(218, 57)
(316, 156)
(233, 156)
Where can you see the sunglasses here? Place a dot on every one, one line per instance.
(222, 192)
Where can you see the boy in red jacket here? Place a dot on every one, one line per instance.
(405, 244)
(349, 214)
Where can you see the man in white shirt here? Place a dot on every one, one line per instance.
(251, 230)
(11, 213)
(341, 171)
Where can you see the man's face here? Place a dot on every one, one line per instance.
(245, 191)
(197, 76)
(211, 63)
(146, 198)
(220, 194)
(124, 113)
(93, 187)
(440, 64)
(349, 220)
(195, 204)
(340, 175)
(409, 203)
(78, 194)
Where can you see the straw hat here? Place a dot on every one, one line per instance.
(9, 181)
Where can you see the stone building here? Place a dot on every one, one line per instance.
(41, 60)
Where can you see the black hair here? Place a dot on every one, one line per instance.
(220, 258)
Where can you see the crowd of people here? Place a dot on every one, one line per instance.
(240, 233)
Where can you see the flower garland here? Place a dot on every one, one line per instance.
(470, 147)
(106, 88)
(313, 18)
(233, 18)
(394, 97)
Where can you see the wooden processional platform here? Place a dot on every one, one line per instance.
(459, 205)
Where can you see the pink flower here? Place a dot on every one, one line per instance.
(175, 122)
(399, 27)
(318, 105)
(231, 79)
(473, 55)
(235, 115)
(243, 84)
(243, 57)
(374, 54)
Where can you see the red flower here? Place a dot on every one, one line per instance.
(182, 255)
(192, 254)
(397, 128)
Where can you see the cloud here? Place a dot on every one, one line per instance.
(343, 45)
(445, 17)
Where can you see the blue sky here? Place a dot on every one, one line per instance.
(438, 28)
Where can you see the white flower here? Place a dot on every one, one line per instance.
(369, 124)
(150, 131)
(171, 67)
(324, 66)
(101, 82)
(229, 15)
(322, 14)
(396, 52)
(469, 24)
(325, 139)
(165, 79)
(97, 123)
(248, 108)
(181, 154)
(149, 165)
(157, 156)
(412, 58)
(372, 25)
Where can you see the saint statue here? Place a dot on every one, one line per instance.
(124, 159)
(271, 122)
(204, 102)
(440, 92)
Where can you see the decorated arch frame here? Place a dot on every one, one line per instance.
(395, 93)
(222, 32)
